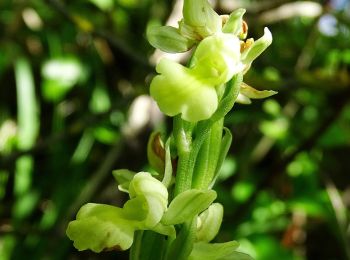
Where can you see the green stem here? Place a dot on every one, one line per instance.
(136, 247)
(189, 150)
(182, 246)
(183, 138)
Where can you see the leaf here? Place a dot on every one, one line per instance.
(186, 205)
(217, 251)
(225, 147)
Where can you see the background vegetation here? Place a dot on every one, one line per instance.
(74, 78)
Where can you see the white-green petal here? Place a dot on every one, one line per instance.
(100, 227)
(181, 90)
(153, 192)
(218, 58)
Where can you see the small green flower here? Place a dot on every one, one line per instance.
(101, 227)
(192, 91)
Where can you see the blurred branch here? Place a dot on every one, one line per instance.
(290, 10)
(306, 55)
(118, 44)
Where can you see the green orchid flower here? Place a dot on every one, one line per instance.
(192, 91)
(101, 227)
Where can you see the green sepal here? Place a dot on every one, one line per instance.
(123, 178)
(217, 251)
(234, 22)
(250, 54)
(201, 16)
(100, 227)
(186, 205)
(168, 39)
(209, 222)
(253, 93)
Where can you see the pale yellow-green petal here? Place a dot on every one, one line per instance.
(100, 227)
(218, 58)
(181, 90)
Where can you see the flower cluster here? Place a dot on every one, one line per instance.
(221, 53)
(101, 227)
(204, 91)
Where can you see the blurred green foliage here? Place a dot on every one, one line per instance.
(73, 80)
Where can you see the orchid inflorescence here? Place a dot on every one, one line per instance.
(172, 214)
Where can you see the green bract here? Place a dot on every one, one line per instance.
(99, 227)
(217, 251)
(191, 91)
(187, 205)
